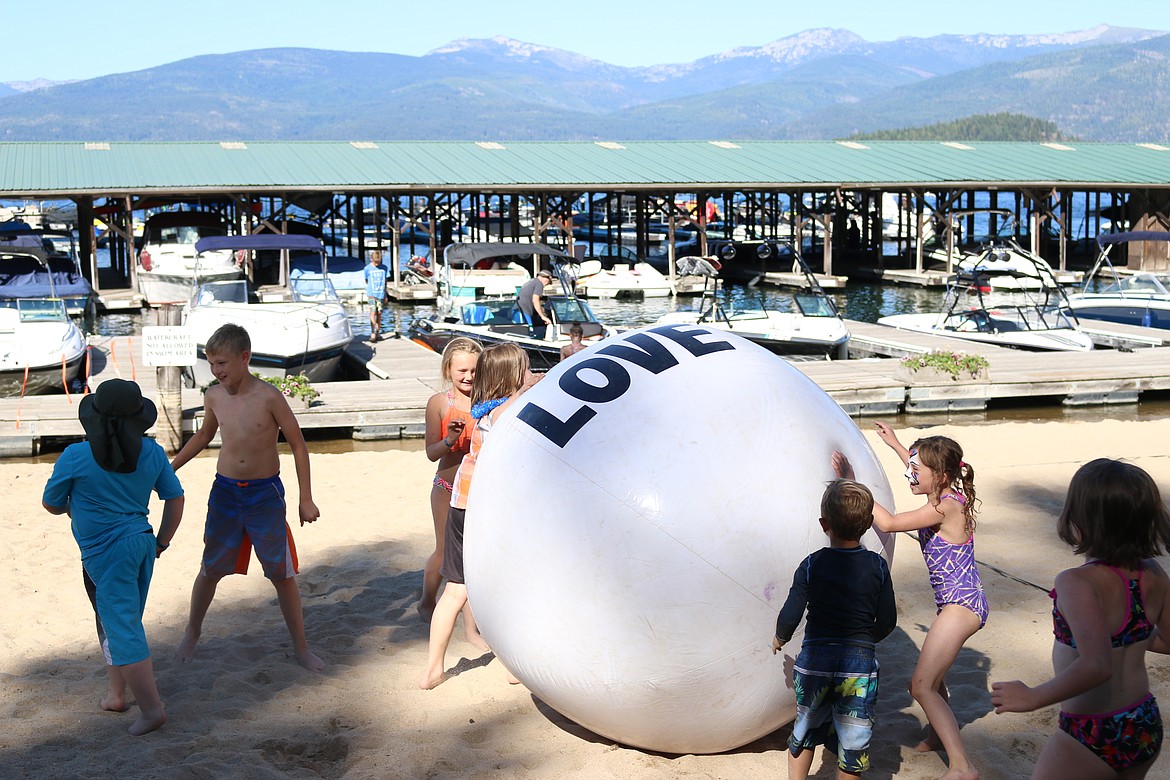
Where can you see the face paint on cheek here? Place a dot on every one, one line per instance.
(912, 466)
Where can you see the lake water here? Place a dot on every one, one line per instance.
(865, 302)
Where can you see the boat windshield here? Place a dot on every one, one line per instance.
(233, 291)
(1005, 319)
(501, 311)
(41, 310)
(571, 310)
(185, 234)
(811, 305)
(504, 311)
(312, 288)
(1143, 283)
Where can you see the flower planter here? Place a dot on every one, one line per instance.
(928, 375)
(298, 403)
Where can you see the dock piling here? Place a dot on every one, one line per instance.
(169, 428)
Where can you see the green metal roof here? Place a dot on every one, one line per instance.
(61, 169)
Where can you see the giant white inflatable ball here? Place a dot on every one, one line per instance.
(633, 526)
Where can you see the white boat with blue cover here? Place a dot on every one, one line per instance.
(300, 327)
(1140, 298)
(40, 263)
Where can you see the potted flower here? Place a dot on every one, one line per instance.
(297, 390)
(940, 365)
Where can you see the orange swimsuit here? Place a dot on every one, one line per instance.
(463, 443)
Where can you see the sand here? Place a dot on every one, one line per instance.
(244, 708)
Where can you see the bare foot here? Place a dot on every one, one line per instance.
(186, 649)
(960, 774)
(511, 678)
(477, 639)
(147, 722)
(307, 659)
(425, 611)
(115, 702)
(429, 681)
(930, 743)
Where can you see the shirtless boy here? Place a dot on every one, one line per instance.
(246, 505)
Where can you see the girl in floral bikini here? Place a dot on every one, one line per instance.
(1105, 616)
(448, 438)
(946, 532)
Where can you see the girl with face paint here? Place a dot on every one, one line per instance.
(945, 527)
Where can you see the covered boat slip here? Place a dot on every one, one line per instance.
(828, 194)
(404, 375)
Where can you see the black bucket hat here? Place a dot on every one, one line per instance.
(114, 418)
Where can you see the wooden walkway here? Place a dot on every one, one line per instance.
(403, 375)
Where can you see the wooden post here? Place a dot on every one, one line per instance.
(169, 428)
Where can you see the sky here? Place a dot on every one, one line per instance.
(79, 40)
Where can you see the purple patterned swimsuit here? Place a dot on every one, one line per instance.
(953, 573)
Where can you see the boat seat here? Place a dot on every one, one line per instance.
(474, 314)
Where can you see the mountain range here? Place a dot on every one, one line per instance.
(1103, 84)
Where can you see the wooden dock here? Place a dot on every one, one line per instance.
(405, 292)
(120, 300)
(798, 280)
(935, 277)
(403, 376)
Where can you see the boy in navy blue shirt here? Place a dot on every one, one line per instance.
(850, 600)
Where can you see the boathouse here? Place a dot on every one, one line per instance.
(379, 191)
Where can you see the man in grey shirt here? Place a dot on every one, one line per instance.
(528, 299)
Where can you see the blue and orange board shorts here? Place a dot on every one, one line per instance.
(243, 515)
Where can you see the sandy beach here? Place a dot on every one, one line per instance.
(244, 708)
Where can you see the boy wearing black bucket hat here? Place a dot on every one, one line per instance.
(246, 507)
(104, 484)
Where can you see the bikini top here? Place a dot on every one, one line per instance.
(463, 443)
(1135, 629)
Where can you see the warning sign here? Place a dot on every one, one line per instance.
(167, 345)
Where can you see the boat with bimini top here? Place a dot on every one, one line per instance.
(494, 319)
(298, 327)
(1138, 298)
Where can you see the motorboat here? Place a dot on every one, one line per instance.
(299, 327)
(1004, 264)
(497, 319)
(41, 349)
(468, 274)
(628, 278)
(167, 262)
(1139, 298)
(40, 263)
(811, 327)
(1025, 318)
